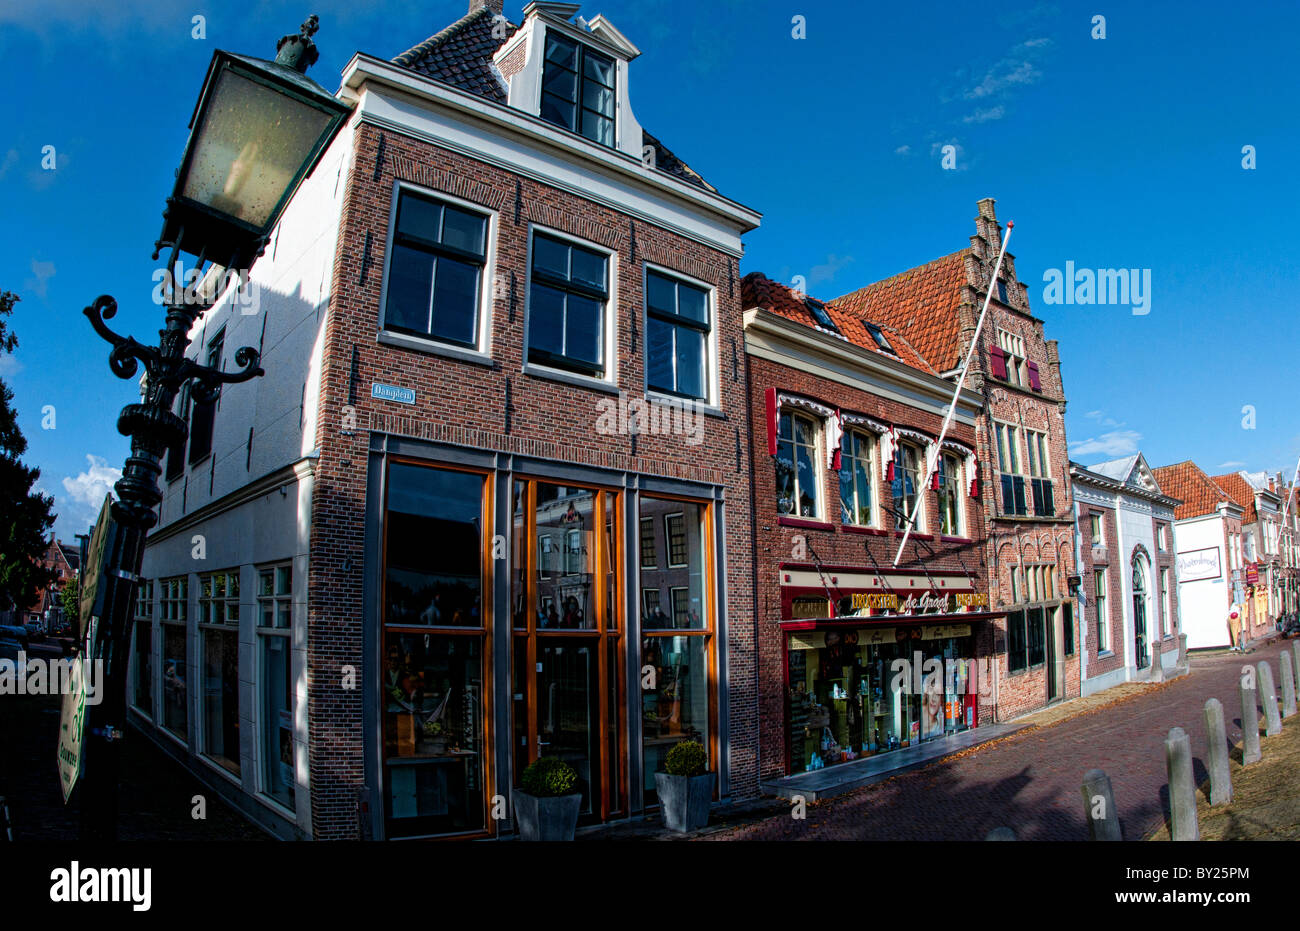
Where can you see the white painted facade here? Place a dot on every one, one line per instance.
(1206, 602)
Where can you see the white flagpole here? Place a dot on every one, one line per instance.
(952, 408)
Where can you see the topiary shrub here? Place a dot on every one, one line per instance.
(549, 778)
(686, 759)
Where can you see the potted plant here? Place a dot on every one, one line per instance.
(685, 788)
(546, 803)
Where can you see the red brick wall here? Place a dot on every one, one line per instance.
(1098, 664)
(835, 545)
(464, 403)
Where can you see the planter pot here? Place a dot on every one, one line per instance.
(684, 800)
(546, 818)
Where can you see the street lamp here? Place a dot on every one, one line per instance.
(258, 130)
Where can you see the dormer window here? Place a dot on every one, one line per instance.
(818, 310)
(880, 339)
(578, 89)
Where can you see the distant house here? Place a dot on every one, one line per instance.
(1260, 496)
(47, 608)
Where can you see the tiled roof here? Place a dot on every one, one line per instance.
(921, 303)
(757, 290)
(1198, 492)
(461, 55)
(1239, 490)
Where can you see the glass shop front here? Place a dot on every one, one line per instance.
(857, 687)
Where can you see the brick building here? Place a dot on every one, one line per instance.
(847, 414)
(1207, 546)
(47, 609)
(1261, 500)
(494, 471)
(1129, 597)
(1020, 433)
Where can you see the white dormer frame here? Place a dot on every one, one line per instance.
(525, 86)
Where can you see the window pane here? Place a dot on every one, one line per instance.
(221, 697)
(550, 255)
(693, 303)
(410, 282)
(561, 51)
(433, 575)
(805, 432)
(455, 301)
(561, 83)
(265, 583)
(433, 714)
(589, 267)
(583, 335)
(785, 477)
(419, 217)
(597, 128)
(599, 68)
(557, 111)
(659, 354)
(566, 557)
(660, 293)
(807, 471)
(277, 720)
(598, 98)
(143, 695)
(175, 680)
(546, 320)
(690, 362)
(463, 230)
(677, 708)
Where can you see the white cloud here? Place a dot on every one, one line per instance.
(1230, 464)
(1102, 419)
(43, 272)
(1005, 74)
(1113, 444)
(88, 489)
(827, 270)
(985, 115)
(903, 150)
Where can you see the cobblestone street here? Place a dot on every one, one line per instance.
(1030, 781)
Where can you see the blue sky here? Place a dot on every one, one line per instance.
(1122, 152)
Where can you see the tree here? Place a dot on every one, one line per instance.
(25, 516)
(70, 602)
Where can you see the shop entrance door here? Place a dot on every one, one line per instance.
(568, 710)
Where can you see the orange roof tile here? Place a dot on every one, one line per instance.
(1185, 480)
(757, 290)
(921, 303)
(1239, 490)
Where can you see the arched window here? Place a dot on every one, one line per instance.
(1139, 613)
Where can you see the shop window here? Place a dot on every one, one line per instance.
(433, 680)
(219, 637)
(275, 640)
(677, 644)
(950, 495)
(578, 89)
(1067, 629)
(648, 558)
(1017, 644)
(1034, 632)
(677, 336)
(568, 295)
(142, 635)
(174, 607)
(797, 472)
(653, 617)
(907, 467)
(435, 270)
(857, 479)
(565, 589)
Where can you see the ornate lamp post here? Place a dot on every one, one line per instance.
(257, 132)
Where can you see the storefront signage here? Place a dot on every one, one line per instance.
(1252, 574)
(392, 393)
(944, 631)
(802, 608)
(876, 636)
(937, 602)
(971, 599)
(1195, 565)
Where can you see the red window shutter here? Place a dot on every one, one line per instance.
(1033, 377)
(975, 482)
(934, 481)
(773, 421)
(998, 362)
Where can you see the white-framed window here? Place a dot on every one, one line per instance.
(1014, 498)
(951, 520)
(675, 535)
(681, 603)
(1094, 528)
(1040, 481)
(436, 270)
(219, 667)
(908, 460)
(798, 471)
(275, 680)
(570, 321)
(857, 479)
(1162, 537)
(173, 605)
(649, 557)
(680, 338)
(1101, 597)
(579, 88)
(142, 672)
(1014, 347)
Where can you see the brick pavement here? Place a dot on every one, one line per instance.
(1030, 781)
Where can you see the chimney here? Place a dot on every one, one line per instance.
(495, 6)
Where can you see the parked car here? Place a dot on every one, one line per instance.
(14, 634)
(35, 633)
(10, 650)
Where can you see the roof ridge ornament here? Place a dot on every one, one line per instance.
(299, 51)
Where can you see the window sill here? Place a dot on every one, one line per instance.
(434, 348)
(198, 462)
(805, 523)
(871, 531)
(898, 534)
(694, 404)
(944, 538)
(1105, 654)
(569, 378)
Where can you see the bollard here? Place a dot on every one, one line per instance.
(1249, 725)
(1003, 833)
(1220, 775)
(1294, 655)
(1182, 786)
(1288, 684)
(1268, 692)
(1099, 807)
